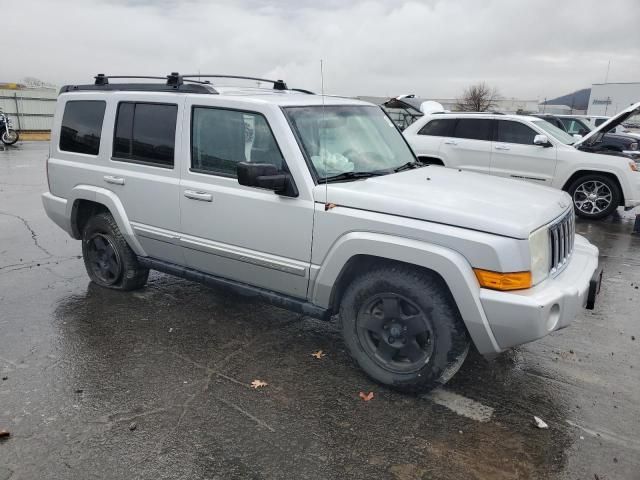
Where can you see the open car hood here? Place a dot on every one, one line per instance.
(609, 124)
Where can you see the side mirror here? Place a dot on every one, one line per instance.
(541, 140)
(267, 176)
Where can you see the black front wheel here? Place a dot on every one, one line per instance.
(402, 327)
(9, 137)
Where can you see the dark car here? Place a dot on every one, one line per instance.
(611, 143)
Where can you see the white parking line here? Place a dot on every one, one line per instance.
(461, 405)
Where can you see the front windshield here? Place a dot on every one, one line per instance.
(555, 132)
(349, 139)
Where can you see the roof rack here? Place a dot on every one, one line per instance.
(174, 82)
(471, 112)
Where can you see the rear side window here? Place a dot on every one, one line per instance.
(474, 128)
(82, 126)
(515, 132)
(222, 138)
(145, 133)
(600, 121)
(438, 128)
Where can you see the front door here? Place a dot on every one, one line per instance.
(242, 233)
(514, 155)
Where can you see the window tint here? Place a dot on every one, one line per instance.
(600, 121)
(515, 132)
(146, 133)
(81, 126)
(473, 128)
(222, 138)
(438, 128)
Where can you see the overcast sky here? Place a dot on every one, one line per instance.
(527, 49)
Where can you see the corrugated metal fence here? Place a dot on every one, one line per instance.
(29, 109)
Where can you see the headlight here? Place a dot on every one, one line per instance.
(540, 249)
(633, 146)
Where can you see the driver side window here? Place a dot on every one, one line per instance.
(515, 132)
(221, 138)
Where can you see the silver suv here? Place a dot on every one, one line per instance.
(317, 204)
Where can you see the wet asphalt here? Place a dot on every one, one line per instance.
(155, 384)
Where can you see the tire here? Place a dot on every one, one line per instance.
(109, 260)
(388, 312)
(605, 201)
(9, 138)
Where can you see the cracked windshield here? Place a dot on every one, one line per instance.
(349, 139)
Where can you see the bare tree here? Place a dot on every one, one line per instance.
(478, 98)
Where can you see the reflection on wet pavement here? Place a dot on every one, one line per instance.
(156, 383)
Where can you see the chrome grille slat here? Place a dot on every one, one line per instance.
(561, 237)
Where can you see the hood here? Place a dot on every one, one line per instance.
(464, 199)
(609, 124)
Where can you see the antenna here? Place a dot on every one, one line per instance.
(323, 152)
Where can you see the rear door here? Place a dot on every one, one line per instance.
(143, 172)
(427, 140)
(469, 146)
(514, 155)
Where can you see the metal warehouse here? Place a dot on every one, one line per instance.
(610, 98)
(30, 109)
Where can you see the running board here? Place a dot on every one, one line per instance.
(268, 296)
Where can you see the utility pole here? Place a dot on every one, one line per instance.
(606, 77)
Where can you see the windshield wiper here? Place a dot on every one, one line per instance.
(408, 166)
(352, 176)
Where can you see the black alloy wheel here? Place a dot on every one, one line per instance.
(395, 332)
(104, 259)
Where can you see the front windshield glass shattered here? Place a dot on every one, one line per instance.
(554, 131)
(349, 139)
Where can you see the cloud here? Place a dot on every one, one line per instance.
(527, 49)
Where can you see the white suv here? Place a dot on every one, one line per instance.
(318, 205)
(531, 149)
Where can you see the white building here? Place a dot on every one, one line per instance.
(610, 98)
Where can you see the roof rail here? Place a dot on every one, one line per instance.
(471, 112)
(174, 82)
(277, 84)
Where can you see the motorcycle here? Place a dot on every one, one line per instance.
(7, 134)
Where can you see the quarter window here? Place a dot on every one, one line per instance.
(82, 126)
(515, 132)
(220, 139)
(473, 128)
(438, 128)
(145, 133)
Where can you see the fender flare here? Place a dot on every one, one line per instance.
(449, 264)
(113, 204)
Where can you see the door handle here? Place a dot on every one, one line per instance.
(202, 196)
(114, 180)
(450, 142)
(502, 147)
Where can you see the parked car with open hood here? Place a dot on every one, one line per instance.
(531, 149)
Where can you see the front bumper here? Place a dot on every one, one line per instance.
(526, 315)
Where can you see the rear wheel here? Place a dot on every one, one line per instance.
(109, 260)
(402, 327)
(594, 196)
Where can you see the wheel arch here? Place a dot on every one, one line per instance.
(85, 201)
(584, 172)
(356, 251)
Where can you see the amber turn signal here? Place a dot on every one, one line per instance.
(503, 281)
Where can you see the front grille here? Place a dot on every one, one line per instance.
(562, 235)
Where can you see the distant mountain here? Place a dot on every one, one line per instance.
(578, 100)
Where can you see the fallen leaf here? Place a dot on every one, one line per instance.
(540, 423)
(258, 384)
(133, 426)
(4, 434)
(366, 396)
(319, 354)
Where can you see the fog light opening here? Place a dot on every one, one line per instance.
(554, 316)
